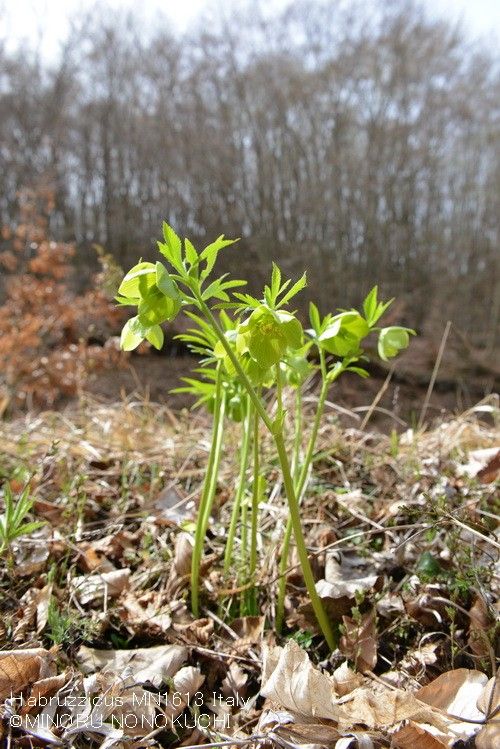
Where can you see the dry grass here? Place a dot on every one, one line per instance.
(118, 484)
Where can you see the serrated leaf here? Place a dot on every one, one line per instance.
(370, 304)
(298, 286)
(126, 301)
(211, 251)
(382, 307)
(190, 251)
(173, 247)
(275, 281)
(314, 317)
(247, 299)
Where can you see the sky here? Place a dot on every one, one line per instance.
(46, 21)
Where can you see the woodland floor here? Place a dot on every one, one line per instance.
(403, 532)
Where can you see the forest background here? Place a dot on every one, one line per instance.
(358, 140)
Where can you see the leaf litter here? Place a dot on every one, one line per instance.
(99, 647)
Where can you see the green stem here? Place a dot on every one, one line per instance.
(279, 393)
(244, 455)
(236, 364)
(256, 492)
(293, 508)
(242, 577)
(298, 434)
(209, 489)
(248, 599)
(277, 433)
(300, 489)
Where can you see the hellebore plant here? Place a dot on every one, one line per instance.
(257, 349)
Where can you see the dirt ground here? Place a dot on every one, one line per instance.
(460, 384)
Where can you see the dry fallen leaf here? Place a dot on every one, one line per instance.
(186, 682)
(289, 729)
(290, 679)
(291, 682)
(42, 607)
(147, 664)
(249, 630)
(378, 707)
(91, 560)
(347, 577)
(235, 682)
(45, 688)
(196, 632)
(359, 643)
(456, 693)
(488, 737)
(419, 736)
(90, 588)
(346, 680)
(149, 616)
(489, 704)
(480, 623)
(491, 470)
(479, 462)
(183, 553)
(22, 668)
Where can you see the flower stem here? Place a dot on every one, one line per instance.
(256, 491)
(276, 431)
(208, 493)
(300, 489)
(242, 484)
(293, 508)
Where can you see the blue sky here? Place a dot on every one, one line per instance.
(46, 21)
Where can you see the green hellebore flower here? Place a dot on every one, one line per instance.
(268, 333)
(134, 332)
(392, 340)
(149, 287)
(344, 334)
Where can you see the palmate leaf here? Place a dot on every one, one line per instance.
(219, 287)
(275, 281)
(370, 304)
(314, 318)
(298, 286)
(190, 252)
(172, 249)
(247, 301)
(209, 254)
(373, 309)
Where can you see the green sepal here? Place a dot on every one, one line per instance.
(157, 308)
(392, 340)
(155, 337)
(138, 282)
(165, 282)
(132, 335)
